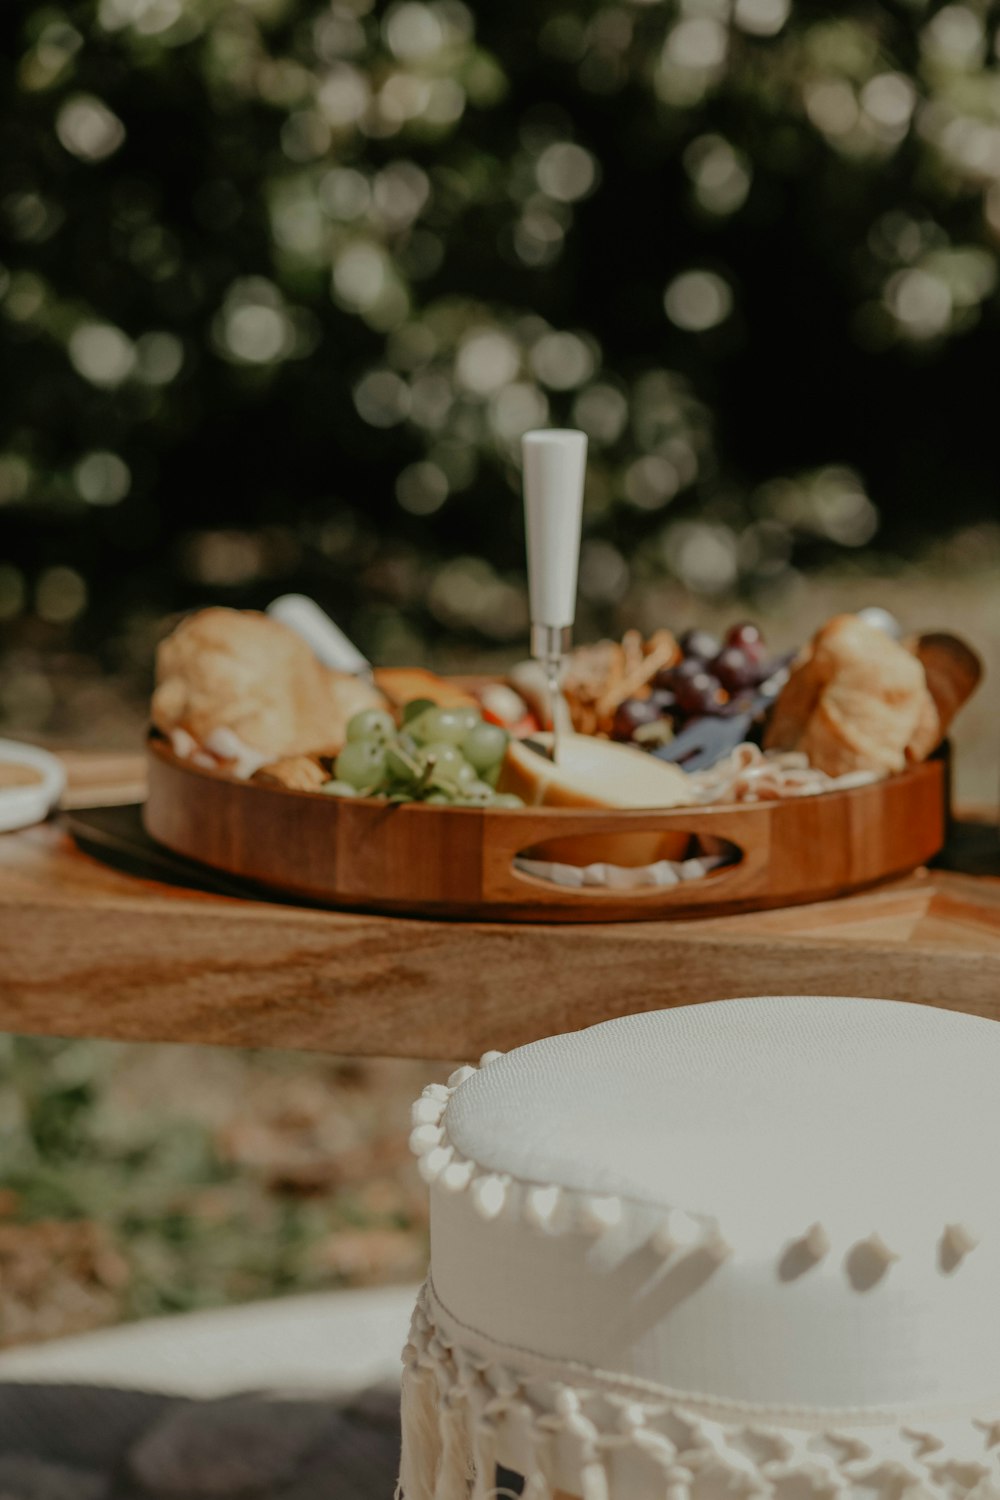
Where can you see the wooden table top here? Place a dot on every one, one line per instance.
(88, 947)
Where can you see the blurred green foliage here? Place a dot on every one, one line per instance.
(284, 281)
(193, 1180)
(65, 1160)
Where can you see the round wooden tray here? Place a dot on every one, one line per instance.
(413, 859)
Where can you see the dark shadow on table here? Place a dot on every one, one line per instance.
(973, 847)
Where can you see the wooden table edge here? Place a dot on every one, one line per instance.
(88, 951)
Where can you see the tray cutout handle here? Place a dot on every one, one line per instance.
(640, 864)
(625, 838)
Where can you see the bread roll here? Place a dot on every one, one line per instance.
(856, 700)
(237, 681)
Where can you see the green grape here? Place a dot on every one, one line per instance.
(419, 729)
(507, 799)
(361, 764)
(440, 765)
(401, 760)
(427, 761)
(415, 708)
(371, 724)
(464, 774)
(477, 793)
(438, 724)
(469, 716)
(445, 757)
(485, 746)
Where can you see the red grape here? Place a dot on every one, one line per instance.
(665, 700)
(700, 644)
(735, 669)
(747, 637)
(630, 714)
(699, 694)
(684, 671)
(667, 678)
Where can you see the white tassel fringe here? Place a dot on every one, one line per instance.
(588, 1436)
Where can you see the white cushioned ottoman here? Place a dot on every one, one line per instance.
(746, 1248)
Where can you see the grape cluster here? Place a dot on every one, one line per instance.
(712, 677)
(439, 755)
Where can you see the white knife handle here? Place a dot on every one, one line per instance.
(554, 467)
(328, 641)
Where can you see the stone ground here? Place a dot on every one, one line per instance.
(90, 1443)
(61, 1442)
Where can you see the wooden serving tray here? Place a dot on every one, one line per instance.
(420, 860)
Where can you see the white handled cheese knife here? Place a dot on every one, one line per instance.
(555, 464)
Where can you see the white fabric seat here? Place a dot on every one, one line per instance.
(750, 1247)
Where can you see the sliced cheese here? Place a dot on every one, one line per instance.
(592, 772)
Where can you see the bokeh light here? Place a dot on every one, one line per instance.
(697, 301)
(60, 595)
(102, 478)
(88, 128)
(102, 354)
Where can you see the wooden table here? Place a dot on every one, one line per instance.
(87, 949)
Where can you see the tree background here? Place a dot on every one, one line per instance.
(284, 281)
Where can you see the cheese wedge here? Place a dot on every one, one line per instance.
(592, 772)
(597, 773)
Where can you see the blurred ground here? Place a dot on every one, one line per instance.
(321, 1344)
(73, 1443)
(295, 1399)
(136, 1181)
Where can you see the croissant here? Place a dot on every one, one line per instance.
(247, 690)
(857, 700)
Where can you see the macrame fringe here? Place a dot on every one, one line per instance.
(455, 1471)
(484, 1461)
(420, 1460)
(463, 1410)
(447, 1454)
